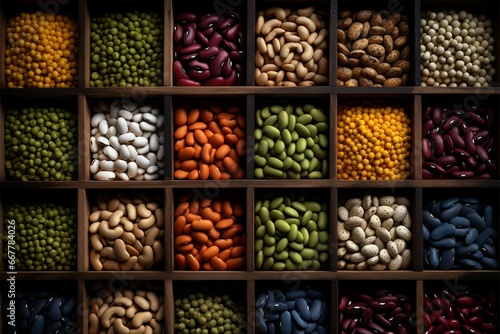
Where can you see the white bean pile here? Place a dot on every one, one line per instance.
(127, 141)
(456, 49)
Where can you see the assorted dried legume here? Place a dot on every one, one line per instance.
(381, 311)
(374, 142)
(209, 142)
(40, 311)
(456, 49)
(126, 49)
(135, 308)
(125, 232)
(126, 141)
(291, 142)
(45, 236)
(373, 49)
(299, 310)
(208, 312)
(41, 51)
(41, 144)
(459, 233)
(457, 143)
(291, 232)
(209, 232)
(374, 232)
(453, 310)
(209, 49)
(291, 47)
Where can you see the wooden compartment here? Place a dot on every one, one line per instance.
(249, 97)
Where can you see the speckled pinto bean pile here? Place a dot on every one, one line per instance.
(459, 233)
(291, 47)
(125, 232)
(293, 311)
(373, 49)
(458, 143)
(40, 311)
(456, 49)
(291, 142)
(209, 312)
(291, 233)
(209, 142)
(127, 141)
(374, 232)
(374, 142)
(208, 49)
(209, 233)
(134, 309)
(458, 311)
(368, 312)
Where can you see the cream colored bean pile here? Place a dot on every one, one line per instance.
(125, 233)
(291, 47)
(373, 232)
(373, 49)
(127, 311)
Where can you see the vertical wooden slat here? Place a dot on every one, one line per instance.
(169, 320)
(416, 44)
(84, 154)
(250, 285)
(169, 233)
(419, 305)
(332, 219)
(250, 36)
(417, 240)
(334, 314)
(334, 14)
(83, 211)
(84, 52)
(416, 137)
(333, 121)
(168, 30)
(82, 309)
(250, 138)
(169, 129)
(250, 228)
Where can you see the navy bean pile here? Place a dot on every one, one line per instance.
(460, 311)
(41, 312)
(457, 143)
(368, 312)
(294, 311)
(459, 233)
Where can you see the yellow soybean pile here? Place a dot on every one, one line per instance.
(41, 51)
(373, 142)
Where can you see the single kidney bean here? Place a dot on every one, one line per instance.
(208, 39)
(457, 143)
(458, 232)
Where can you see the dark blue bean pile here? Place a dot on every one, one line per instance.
(459, 233)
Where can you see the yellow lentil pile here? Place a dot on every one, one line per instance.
(41, 51)
(373, 143)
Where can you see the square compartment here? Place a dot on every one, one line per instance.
(142, 245)
(208, 43)
(465, 142)
(209, 138)
(360, 203)
(470, 239)
(209, 229)
(285, 57)
(45, 237)
(292, 229)
(292, 138)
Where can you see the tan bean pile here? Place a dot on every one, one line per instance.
(373, 49)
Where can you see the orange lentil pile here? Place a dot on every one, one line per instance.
(373, 143)
(41, 51)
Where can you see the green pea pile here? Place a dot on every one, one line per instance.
(207, 313)
(41, 144)
(45, 236)
(126, 49)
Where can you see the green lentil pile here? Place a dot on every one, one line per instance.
(41, 144)
(45, 236)
(208, 313)
(126, 49)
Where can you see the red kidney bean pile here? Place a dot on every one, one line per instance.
(208, 49)
(465, 313)
(456, 143)
(459, 233)
(383, 311)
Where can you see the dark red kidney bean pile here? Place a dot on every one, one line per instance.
(457, 143)
(462, 313)
(383, 311)
(208, 49)
(459, 233)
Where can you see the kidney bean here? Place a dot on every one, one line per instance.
(464, 135)
(208, 39)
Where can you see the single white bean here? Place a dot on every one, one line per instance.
(105, 176)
